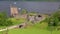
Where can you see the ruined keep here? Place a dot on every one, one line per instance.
(14, 11)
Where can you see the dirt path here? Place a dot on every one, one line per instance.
(11, 27)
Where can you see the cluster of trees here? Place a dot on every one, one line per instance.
(54, 20)
(4, 19)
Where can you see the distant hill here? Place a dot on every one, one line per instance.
(31, 0)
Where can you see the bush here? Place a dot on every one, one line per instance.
(4, 20)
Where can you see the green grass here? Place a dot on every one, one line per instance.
(35, 29)
(17, 21)
(32, 31)
(2, 27)
(28, 31)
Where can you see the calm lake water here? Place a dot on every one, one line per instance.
(42, 7)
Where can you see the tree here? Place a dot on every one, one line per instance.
(4, 19)
(53, 21)
(57, 16)
(24, 11)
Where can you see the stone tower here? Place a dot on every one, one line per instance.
(13, 11)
